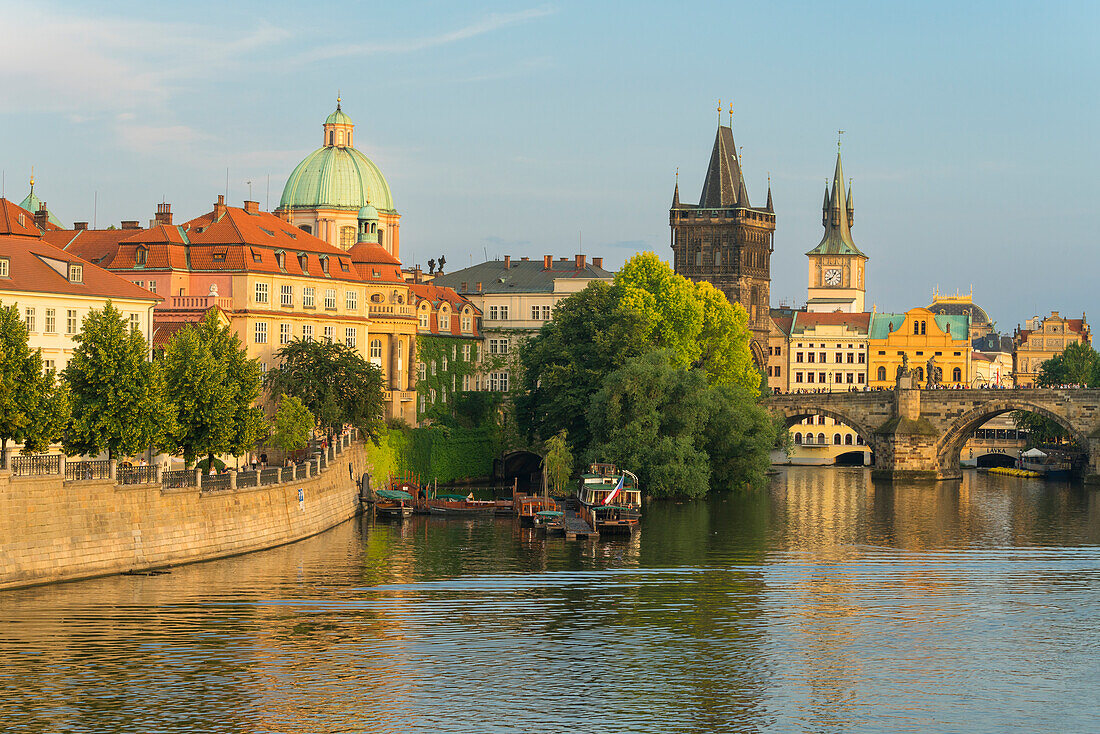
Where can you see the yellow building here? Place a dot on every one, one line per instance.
(920, 335)
(779, 331)
(837, 268)
(1041, 339)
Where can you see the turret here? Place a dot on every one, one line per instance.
(368, 224)
(851, 206)
(769, 206)
(825, 207)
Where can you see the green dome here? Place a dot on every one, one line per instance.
(368, 212)
(338, 117)
(335, 177)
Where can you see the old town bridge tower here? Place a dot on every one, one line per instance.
(727, 242)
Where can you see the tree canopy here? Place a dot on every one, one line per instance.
(334, 383)
(33, 408)
(214, 387)
(558, 462)
(291, 425)
(1078, 364)
(118, 397)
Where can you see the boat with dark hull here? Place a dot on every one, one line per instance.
(395, 504)
(458, 505)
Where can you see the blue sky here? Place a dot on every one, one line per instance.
(532, 129)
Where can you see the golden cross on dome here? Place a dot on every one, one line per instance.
(838, 134)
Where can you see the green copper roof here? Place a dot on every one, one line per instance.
(882, 324)
(31, 203)
(339, 117)
(336, 177)
(837, 215)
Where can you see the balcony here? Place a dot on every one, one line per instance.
(197, 303)
(388, 309)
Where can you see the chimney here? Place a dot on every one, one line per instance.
(525, 259)
(41, 217)
(479, 287)
(252, 207)
(80, 226)
(130, 224)
(580, 262)
(597, 262)
(465, 287)
(164, 214)
(507, 262)
(547, 262)
(219, 208)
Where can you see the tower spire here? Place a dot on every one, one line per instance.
(769, 207)
(676, 190)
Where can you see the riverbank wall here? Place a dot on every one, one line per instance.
(54, 530)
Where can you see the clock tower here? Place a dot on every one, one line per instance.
(837, 266)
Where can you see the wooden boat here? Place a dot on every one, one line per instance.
(457, 504)
(544, 519)
(609, 500)
(527, 508)
(393, 503)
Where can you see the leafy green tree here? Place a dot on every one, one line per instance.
(558, 462)
(565, 364)
(1078, 364)
(214, 388)
(334, 382)
(724, 341)
(118, 397)
(28, 397)
(51, 413)
(291, 425)
(738, 437)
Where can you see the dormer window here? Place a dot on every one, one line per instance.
(22, 219)
(76, 273)
(256, 257)
(303, 262)
(324, 264)
(219, 257)
(5, 267)
(280, 260)
(344, 265)
(141, 256)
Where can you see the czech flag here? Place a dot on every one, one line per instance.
(615, 492)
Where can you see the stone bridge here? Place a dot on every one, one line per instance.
(918, 434)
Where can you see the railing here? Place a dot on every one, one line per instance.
(269, 476)
(199, 302)
(83, 471)
(314, 467)
(214, 482)
(35, 465)
(136, 475)
(381, 308)
(248, 479)
(178, 478)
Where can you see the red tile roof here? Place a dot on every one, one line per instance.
(32, 264)
(16, 221)
(371, 258)
(94, 245)
(806, 320)
(437, 296)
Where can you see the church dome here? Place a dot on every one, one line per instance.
(952, 307)
(336, 176)
(368, 212)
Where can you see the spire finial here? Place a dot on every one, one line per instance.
(838, 134)
(677, 175)
(32, 178)
(337, 99)
(731, 114)
(719, 112)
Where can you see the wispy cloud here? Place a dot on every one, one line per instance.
(487, 24)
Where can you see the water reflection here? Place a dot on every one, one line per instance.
(826, 603)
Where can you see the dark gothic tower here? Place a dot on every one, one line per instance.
(727, 242)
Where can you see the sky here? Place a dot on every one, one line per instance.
(531, 129)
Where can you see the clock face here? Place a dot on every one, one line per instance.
(832, 277)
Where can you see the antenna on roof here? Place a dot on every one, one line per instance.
(267, 201)
(249, 182)
(95, 209)
(227, 184)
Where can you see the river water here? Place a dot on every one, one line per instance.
(823, 603)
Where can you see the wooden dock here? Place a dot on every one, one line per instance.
(571, 526)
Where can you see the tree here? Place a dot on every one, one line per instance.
(335, 384)
(738, 437)
(291, 425)
(1078, 364)
(215, 387)
(558, 462)
(118, 398)
(32, 409)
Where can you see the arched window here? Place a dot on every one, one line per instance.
(916, 328)
(882, 374)
(348, 236)
(836, 439)
(821, 438)
(380, 236)
(717, 257)
(848, 440)
(331, 138)
(922, 328)
(699, 257)
(141, 255)
(798, 438)
(859, 440)
(306, 228)
(956, 375)
(376, 352)
(340, 138)
(920, 374)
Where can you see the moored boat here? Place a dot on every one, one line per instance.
(545, 519)
(527, 508)
(457, 504)
(393, 503)
(610, 500)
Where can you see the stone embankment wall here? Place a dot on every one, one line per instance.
(53, 530)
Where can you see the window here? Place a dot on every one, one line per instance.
(303, 262)
(798, 377)
(821, 438)
(881, 376)
(5, 267)
(261, 332)
(810, 376)
(836, 439)
(324, 264)
(284, 333)
(261, 292)
(50, 365)
(139, 283)
(851, 358)
(51, 321)
(838, 377)
(498, 346)
(810, 357)
(498, 381)
(467, 321)
(329, 332)
(956, 374)
(859, 440)
(535, 313)
(848, 439)
(466, 352)
(349, 336)
(135, 322)
(307, 297)
(351, 300)
(778, 371)
(286, 295)
(423, 403)
(821, 420)
(280, 259)
(503, 313)
(434, 366)
(778, 351)
(823, 358)
(465, 383)
(71, 324)
(851, 378)
(798, 356)
(376, 352)
(444, 362)
(431, 394)
(330, 299)
(307, 332)
(444, 320)
(421, 371)
(29, 320)
(257, 257)
(494, 313)
(348, 237)
(76, 273)
(152, 286)
(862, 358)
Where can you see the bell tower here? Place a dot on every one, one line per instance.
(837, 267)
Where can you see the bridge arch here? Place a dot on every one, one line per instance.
(794, 414)
(962, 428)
